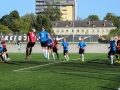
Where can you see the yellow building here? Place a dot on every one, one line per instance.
(67, 12)
(82, 27)
(67, 7)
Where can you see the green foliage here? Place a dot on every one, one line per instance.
(30, 18)
(43, 21)
(14, 15)
(4, 29)
(19, 25)
(93, 17)
(6, 20)
(113, 18)
(52, 12)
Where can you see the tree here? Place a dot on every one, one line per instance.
(43, 21)
(30, 18)
(52, 12)
(6, 20)
(93, 17)
(113, 18)
(4, 29)
(14, 15)
(19, 25)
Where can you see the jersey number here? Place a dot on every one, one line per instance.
(33, 35)
(42, 35)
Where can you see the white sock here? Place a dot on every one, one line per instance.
(112, 57)
(43, 51)
(5, 56)
(48, 55)
(67, 56)
(53, 56)
(83, 56)
(46, 51)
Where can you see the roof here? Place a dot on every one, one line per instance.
(82, 24)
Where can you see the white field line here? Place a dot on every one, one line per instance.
(37, 66)
(40, 65)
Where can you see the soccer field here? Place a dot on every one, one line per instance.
(37, 73)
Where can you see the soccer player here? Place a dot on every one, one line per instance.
(5, 53)
(31, 42)
(49, 46)
(82, 46)
(55, 47)
(43, 36)
(65, 48)
(1, 53)
(118, 50)
(112, 48)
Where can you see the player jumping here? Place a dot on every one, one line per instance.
(31, 42)
(112, 51)
(43, 36)
(65, 48)
(82, 46)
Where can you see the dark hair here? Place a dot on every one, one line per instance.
(43, 27)
(82, 37)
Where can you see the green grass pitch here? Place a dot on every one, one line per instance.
(37, 73)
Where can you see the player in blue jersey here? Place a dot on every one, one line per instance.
(65, 49)
(81, 46)
(1, 53)
(49, 46)
(43, 36)
(113, 49)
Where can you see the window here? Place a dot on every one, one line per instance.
(64, 10)
(66, 30)
(58, 3)
(107, 30)
(77, 30)
(57, 31)
(92, 31)
(62, 30)
(82, 31)
(97, 30)
(86, 30)
(72, 30)
(102, 30)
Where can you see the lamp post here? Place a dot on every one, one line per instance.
(73, 19)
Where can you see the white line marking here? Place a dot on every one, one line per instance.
(37, 66)
(41, 65)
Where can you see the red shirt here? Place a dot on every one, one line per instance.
(32, 37)
(4, 43)
(118, 44)
(54, 44)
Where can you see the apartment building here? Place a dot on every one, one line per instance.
(67, 7)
